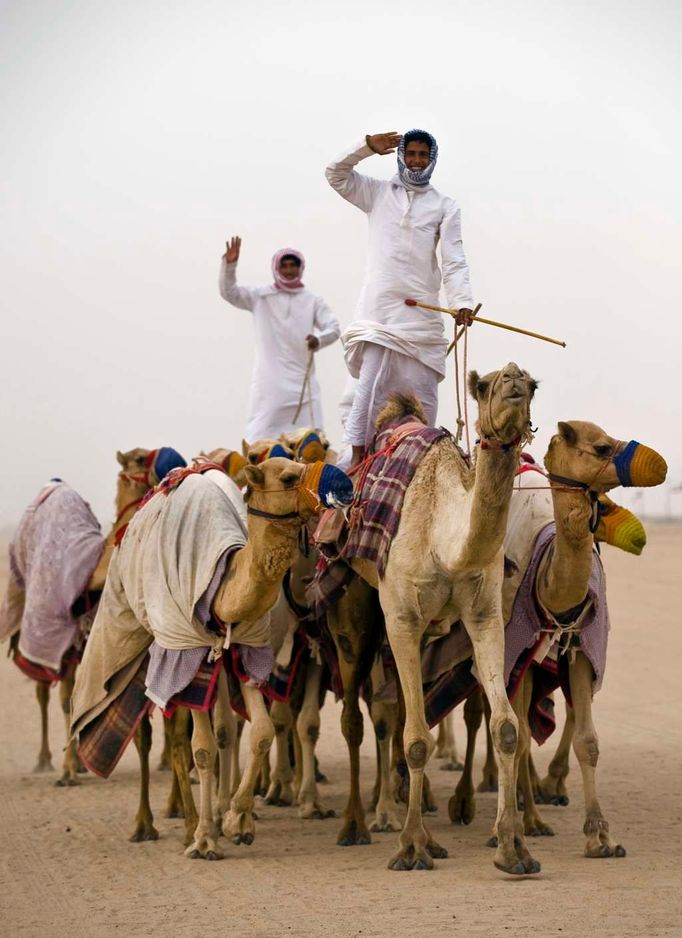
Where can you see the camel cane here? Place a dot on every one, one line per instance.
(488, 322)
(306, 382)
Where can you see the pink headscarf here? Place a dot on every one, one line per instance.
(281, 282)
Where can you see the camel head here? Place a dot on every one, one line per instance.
(279, 488)
(228, 459)
(258, 452)
(581, 453)
(503, 398)
(146, 467)
(308, 445)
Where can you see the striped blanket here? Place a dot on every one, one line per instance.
(375, 519)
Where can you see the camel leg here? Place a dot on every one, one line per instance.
(180, 751)
(533, 825)
(416, 848)
(552, 788)
(280, 792)
(489, 779)
(225, 730)
(204, 750)
(384, 717)
(71, 762)
(144, 819)
(534, 778)
(487, 635)
(44, 763)
(308, 731)
(446, 747)
(462, 805)
(586, 746)
(165, 762)
(354, 830)
(235, 770)
(238, 824)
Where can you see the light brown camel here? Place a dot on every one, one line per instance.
(446, 563)
(133, 481)
(583, 462)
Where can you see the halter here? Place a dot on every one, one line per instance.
(493, 441)
(304, 489)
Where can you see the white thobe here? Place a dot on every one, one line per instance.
(282, 319)
(405, 228)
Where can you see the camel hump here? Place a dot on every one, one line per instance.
(398, 406)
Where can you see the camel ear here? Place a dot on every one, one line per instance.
(533, 385)
(477, 387)
(121, 458)
(245, 448)
(290, 476)
(567, 433)
(254, 476)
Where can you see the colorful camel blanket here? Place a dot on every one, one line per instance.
(52, 556)
(375, 520)
(158, 591)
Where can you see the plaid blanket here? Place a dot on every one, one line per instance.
(375, 519)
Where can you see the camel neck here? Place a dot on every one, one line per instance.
(563, 578)
(494, 478)
(252, 582)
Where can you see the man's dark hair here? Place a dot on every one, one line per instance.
(418, 136)
(291, 257)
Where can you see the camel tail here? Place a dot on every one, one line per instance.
(400, 405)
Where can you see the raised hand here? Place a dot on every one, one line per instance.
(232, 249)
(383, 144)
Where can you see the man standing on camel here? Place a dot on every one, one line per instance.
(291, 325)
(391, 346)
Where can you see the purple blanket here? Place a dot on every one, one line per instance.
(52, 556)
(523, 629)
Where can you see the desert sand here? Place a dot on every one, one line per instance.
(67, 868)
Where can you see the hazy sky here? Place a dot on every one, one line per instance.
(138, 136)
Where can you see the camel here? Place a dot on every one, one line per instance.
(135, 478)
(299, 718)
(583, 462)
(446, 564)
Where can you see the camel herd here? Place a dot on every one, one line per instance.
(491, 592)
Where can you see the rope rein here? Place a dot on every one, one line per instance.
(306, 384)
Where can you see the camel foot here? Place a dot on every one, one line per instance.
(204, 848)
(599, 844)
(144, 830)
(174, 811)
(516, 860)
(552, 791)
(354, 833)
(68, 780)
(462, 807)
(44, 764)
(534, 827)
(313, 811)
(451, 766)
(417, 856)
(280, 794)
(386, 821)
(239, 827)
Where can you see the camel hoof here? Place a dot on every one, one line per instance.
(408, 859)
(385, 822)
(142, 834)
(316, 814)
(461, 809)
(539, 830)
(212, 855)
(43, 767)
(66, 782)
(452, 767)
(436, 851)
(353, 834)
(196, 855)
(520, 868)
(174, 813)
(619, 851)
(493, 842)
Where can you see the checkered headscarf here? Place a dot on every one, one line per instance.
(416, 178)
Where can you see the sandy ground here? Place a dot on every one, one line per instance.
(66, 867)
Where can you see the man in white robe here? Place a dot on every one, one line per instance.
(291, 324)
(392, 346)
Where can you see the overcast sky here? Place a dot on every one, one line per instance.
(138, 136)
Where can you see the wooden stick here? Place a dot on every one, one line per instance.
(488, 322)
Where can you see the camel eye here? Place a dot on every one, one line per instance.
(141, 460)
(603, 450)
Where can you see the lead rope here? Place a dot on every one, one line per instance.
(306, 382)
(462, 422)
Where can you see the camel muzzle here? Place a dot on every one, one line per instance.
(639, 465)
(326, 486)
